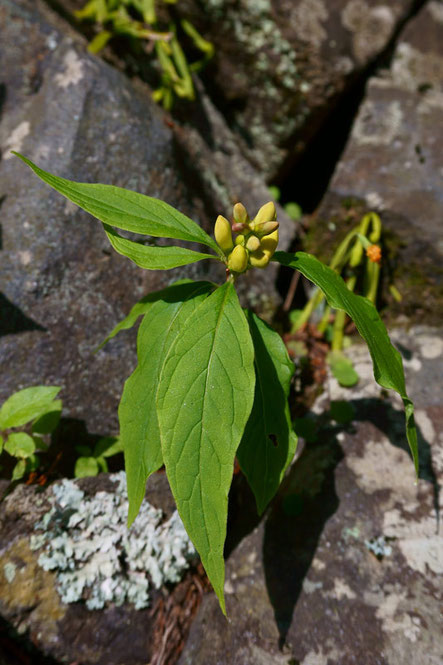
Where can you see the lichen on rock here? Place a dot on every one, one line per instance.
(85, 541)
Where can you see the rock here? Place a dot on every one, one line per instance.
(58, 544)
(280, 66)
(62, 287)
(346, 567)
(393, 164)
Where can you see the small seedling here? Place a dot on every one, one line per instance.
(92, 461)
(212, 380)
(36, 409)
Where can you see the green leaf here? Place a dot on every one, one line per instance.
(126, 209)
(140, 308)
(20, 444)
(342, 412)
(139, 431)
(19, 470)
(86, 466)
(343, 369)
(102, 464)
(204, 398)
(48, 421)
(40, 444)
(153, 258)
(99, 42)
(25, 405)
(386, 360)
(85, 451)
(268, 444)
(293, 210)
(108, 446)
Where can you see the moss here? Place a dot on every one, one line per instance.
(31, 592)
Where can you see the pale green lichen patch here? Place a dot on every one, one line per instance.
(271, 74)
(85, 542)
(9, 570)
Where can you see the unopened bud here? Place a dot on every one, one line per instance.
(238, 228)
(240, 213)
(238, 259)
(269, 243)
(222, 233)
(253, 243)
(265, 228)
(240, 240)
(267, 213)
(259, 259)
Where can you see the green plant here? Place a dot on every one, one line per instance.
(358, 259)
(93, 460)
(212, 380)
(137, 20)
(36, 409)
(292, 209)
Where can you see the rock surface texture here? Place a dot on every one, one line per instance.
(393, 162)
(62, 287)
(347, 566)
(79, 539)
(280, 65)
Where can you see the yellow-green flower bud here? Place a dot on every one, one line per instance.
(265, 228)
(223, 234)
(267, 213)
(259, 259)
(240, 240)
(240, 214)
(269, 243)
(253, 243)
(238, 259)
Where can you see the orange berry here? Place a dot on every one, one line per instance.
(373, 253)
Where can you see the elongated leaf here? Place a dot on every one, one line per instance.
(139, 431)
(153, 258)
(268, 444)
(25, 405)
(204, 399)
(126, 209)
(386, 360)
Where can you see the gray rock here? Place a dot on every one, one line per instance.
(62, 287)
(280, 66)
(346, 567)
(45, 562)
(393, 163)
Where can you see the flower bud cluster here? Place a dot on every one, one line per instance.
(255, 242)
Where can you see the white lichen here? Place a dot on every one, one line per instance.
(9, 570)
(73, 71)
(379, 547)
(86, 543)
(15, 139)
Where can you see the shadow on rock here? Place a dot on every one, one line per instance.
(392, 423)
(297, 518)
(12, 319)
(308, 499)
